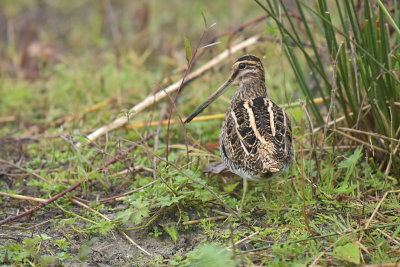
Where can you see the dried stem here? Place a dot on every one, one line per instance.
(10, 219)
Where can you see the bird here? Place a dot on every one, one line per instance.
(256, 135)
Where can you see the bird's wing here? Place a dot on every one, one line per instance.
(257, 134)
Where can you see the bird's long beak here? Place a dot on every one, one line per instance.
(214, 96)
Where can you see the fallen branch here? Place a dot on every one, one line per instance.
(152, 99)
(35, 199)
(7, 119)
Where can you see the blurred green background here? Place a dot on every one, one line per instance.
(59, 57)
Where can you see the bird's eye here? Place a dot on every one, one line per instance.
(242, 66)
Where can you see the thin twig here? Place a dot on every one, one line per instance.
(10, 219)
(182, 124)
(134, 243)
(333, 94)
(360, 141)
(243, 240)
(316, 178)
(378, 206)
(389, 237)
(70, 117)
(210, 219)
(304, 195)
(368, 133)
(185, 75)
(75, 215)
(157, 138)
(33, 226)
(342, 118)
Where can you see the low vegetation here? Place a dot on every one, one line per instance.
(333, 65)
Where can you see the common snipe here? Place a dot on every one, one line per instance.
(256, 136)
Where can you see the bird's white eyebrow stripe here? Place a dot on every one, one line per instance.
(247, 71)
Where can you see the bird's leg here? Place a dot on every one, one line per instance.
(245, 188)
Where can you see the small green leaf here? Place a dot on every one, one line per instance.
(345, 188)
(63, 256)
(230, 187)
(84, 252)
(352, 160)
(172, 231)
(46, 260)
(141, 210)
(61, 243)
(136, 213)
(349, 252)
(188, 49)
(270, 30)
(80, 139)
(350, 163)
(204, 19)
(45, 237)
(167, 201)
(203, 195)
(124, 215)
(103, 227)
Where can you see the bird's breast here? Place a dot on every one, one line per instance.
(256, 135)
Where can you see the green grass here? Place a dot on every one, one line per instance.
(93, 68)
(357, 70)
